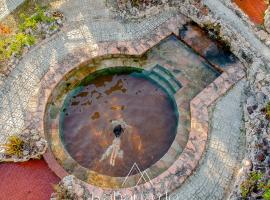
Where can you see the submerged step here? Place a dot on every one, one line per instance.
(162, 83)
(165, 74)
(168, 80)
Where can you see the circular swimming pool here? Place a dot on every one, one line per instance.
(117, 117)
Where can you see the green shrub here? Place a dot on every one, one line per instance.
(29, 22)
(266, 195)
(15, 44)
(14, 146)
(250, 184)
(267, 108)
(255, 182)
(32, 21)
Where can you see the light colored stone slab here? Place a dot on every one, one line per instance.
(214, 177)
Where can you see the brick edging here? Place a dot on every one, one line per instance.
(192, 153)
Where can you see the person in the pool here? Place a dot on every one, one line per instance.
(114, 151)
(118, 130)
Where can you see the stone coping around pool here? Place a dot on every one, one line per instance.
(187, 162)
(52, 133)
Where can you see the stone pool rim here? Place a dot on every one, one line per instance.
(62, 101)
(167, 181)
(100, 180)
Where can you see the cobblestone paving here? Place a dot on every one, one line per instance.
(213, 178)
(85, 26)
(102, 23)
(7, 6)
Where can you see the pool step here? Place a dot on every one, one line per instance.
(160, 81)
(158, 69)
(165, 78)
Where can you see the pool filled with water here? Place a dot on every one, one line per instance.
(105, 99)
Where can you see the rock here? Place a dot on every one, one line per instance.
(250, 110)
(262, 35)
(251, 101)
(59, 21)
(25, 153)
(267, 20)
(265, 90)
(247, 163)
(254, 107)
(261, 98)
(267, 161)
(260, 156)
(260, 77)
(73, 188)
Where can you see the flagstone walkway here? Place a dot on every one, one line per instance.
(89, 24)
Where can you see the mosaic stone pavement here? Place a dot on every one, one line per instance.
(82, 30)
(214, 176)
(86, 26)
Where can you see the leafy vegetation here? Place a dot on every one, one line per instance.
(15, 44)
(255, 183)
(266, 195)
(27, 34)
(30, 22)
(14, 146)
(267, 108)
(60, 192)
(266, 111)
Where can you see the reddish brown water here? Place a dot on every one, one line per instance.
(147, 110)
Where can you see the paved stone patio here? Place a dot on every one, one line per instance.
(76, 34)
(92, 31)
(223, 156)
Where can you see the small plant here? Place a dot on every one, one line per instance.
(61, 193)
(27, 34)
(14, 146)
(256, 182)
(266, 111)
(266, 189)
(266, 195)
(32, 21)
(250, 184)
(15, 44)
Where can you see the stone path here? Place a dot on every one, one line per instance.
(85, 26)
(7, 6)
(100, 23)
(213, 179)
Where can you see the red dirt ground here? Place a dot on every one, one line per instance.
(30, 180)
(253, 8)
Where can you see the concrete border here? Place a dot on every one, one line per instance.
(192, 153)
